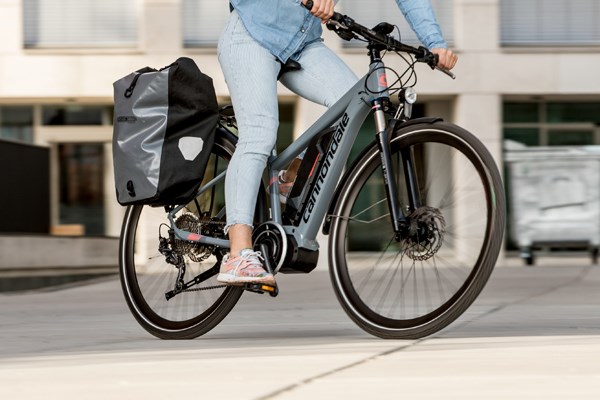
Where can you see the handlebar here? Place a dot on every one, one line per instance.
(346, 28)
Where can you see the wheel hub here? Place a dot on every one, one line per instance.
(425, 236)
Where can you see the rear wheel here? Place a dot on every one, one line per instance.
(147, 277)
(412, 286)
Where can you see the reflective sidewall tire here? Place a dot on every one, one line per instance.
(408, 288)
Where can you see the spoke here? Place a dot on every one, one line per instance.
(439, 281)
(354, 219)
(381, 281)
(361, 285)
(388, 287)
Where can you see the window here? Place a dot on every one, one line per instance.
(552, 123)
(79, 23)
(371, 12)
(73, 115)
(285, 131)
(16, 123)
(550, 22)
(203, 22)
(81, 188)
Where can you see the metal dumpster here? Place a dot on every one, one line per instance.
(554, 197)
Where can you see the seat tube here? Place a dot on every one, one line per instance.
(274, 189)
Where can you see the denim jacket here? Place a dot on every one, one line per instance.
(284, 27)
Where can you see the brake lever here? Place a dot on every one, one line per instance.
(340, 29)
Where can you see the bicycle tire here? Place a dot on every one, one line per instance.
(353, 270)
(145, 280)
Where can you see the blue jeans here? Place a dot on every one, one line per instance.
(251, 75)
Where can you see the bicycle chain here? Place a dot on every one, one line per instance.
(204, 288)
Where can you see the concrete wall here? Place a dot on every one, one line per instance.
(20, 253)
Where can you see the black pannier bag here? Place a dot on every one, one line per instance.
(164, 127)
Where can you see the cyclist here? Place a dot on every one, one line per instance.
(260, 37)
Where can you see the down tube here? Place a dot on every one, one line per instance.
(331, 168)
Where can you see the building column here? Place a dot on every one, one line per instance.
(477, 25)
(113, 212)
(11, 21)
(479, 114)
(161, 26)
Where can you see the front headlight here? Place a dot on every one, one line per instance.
(408, 95)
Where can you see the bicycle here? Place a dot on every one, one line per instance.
(426, 192)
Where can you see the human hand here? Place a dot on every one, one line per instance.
(446, 58)
(322, 9)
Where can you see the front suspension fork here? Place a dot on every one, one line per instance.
(399, 221)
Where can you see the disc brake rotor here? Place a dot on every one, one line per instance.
(426, 233)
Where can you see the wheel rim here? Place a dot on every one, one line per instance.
(381, 283)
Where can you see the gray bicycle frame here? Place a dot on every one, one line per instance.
(347, 115)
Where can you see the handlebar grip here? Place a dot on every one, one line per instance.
(436, 59)
(335, 17)
(447, 72)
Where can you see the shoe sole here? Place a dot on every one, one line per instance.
(240, 280)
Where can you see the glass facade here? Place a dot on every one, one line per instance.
(81, 186)
(549, 22)
(72, 115)
(203, 22)
(552, 123)
(16, 123)
(79, 23)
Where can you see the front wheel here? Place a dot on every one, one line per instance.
(410, 286)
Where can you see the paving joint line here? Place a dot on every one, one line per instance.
(307, 381)
(304, 382)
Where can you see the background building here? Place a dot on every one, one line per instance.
(527, 71)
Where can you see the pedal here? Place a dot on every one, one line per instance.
(262, 288)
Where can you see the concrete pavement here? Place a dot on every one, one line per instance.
(533, 333)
